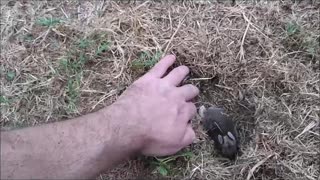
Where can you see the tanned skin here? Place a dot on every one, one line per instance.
(150, 118)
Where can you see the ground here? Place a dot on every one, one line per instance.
(260, 60)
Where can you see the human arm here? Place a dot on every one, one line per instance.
(150, 118)
(71, 149)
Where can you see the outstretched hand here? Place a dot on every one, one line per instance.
(151, 118)
(160, 109)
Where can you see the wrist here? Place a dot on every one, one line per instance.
(123, 126)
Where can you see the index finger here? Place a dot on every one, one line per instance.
(162, 66)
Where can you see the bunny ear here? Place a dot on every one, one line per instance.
(231, 136)
(220, 139)
(202, 110)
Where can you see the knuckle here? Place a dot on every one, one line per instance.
(192, 108)
(182, 70)
(193, 135)
(192, 89)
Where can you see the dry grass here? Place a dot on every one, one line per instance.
(261, 61)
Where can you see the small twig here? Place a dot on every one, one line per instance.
(255, 27)
(171, 39)
(250, 174)
(123, 61)
(143, 4)
(170, 20)
(224, 87)
(241, 52)
(58, 32)
(200, 79)
(65, 14)
(113, 92)
(43, 36)
(92, 91)
(307, 128)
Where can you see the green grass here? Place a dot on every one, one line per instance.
(73, 63)
(165, 166)
(84, 43)
(146, 60)
(292, 28)
(28, 38)
(73, 69)
(298, 39)
(48, 21)
(311, 45)
(3, 100)
(73, 66)
(73, 93)
(102, 48)
(11, 75)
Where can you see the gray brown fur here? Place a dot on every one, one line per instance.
(217, 123)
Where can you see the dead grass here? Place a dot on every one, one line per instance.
(261, 61)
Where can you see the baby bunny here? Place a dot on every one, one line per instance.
(221, 129)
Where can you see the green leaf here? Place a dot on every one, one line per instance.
(11, 75)
(162, 170)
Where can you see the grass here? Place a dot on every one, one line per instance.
(11, 75)
(84, 43)
(102, 48)
(292, 28)
(73, 69)
(73, 64)
(49, 22)
(311, 45)
(258, 60)
(73, 88)
(146, 60)
(298, 39)
(3, 100)
(165, 166)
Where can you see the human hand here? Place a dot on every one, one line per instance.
(151, 117)
(160, 110)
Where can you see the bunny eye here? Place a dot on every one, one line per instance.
(220, 139)
(231, 136)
